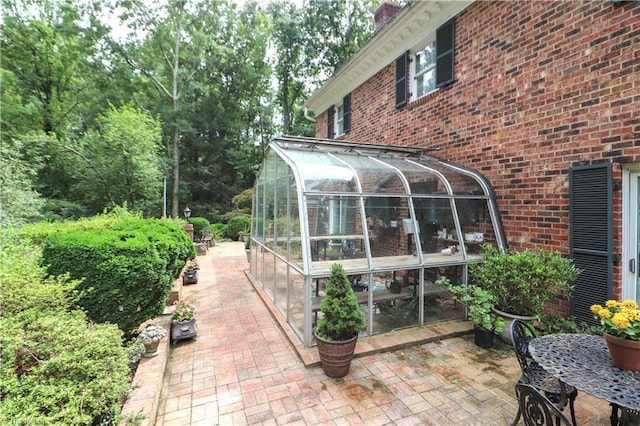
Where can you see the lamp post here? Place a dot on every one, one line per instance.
(187, 226)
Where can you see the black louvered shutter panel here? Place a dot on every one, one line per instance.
(591, 237)
(330, 120)
(346, 111)
(445, 47)
(401, 80)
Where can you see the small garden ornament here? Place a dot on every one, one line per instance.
(150, 337)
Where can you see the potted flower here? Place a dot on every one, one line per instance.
(150, 336)
(479, 303)
(621, 328)
(522, 282)
(338, 328)
(190, 273)
(183, 322)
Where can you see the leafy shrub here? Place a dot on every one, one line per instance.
(59, 369)
(218, 231)
(236, 225)
(199, 224)
(55, 367)
(127, 270)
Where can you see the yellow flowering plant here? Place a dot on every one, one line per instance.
(620, 319)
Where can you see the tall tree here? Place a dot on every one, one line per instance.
(122, 163)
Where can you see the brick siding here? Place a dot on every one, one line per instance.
(540, 87)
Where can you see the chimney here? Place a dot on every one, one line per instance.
(384, 13)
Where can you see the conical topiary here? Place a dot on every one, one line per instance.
(342, 317)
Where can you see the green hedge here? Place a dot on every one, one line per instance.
(127, 270)
(199, 224)
(55, 366)
(236, 225)
(81, 374)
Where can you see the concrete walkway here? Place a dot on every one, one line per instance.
(242, 369)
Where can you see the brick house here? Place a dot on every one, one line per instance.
(543, 98)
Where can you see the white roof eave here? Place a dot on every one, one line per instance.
(411, 26)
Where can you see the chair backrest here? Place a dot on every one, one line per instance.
(537, 409)
(521, 335)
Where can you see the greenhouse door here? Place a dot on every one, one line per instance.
(631, 235)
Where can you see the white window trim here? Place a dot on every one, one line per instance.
(339, 120)
(414, 76)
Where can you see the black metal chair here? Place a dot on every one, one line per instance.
(537, 409)
(534, 375)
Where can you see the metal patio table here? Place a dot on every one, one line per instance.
(583, 361)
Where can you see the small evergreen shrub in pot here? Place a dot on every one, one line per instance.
(338, 328)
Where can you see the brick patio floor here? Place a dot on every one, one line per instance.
(243, 369)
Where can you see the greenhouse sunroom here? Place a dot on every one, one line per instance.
(395, 218)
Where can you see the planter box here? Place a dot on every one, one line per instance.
(190, 277)
(183, 330)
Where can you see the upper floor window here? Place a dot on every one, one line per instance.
(342, 116)
(423, 71)
(340, 120)
(432, 66)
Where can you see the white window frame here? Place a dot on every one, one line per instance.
(339, 120)
(415, 75)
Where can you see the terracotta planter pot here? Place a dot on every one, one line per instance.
(336, 357)
(625, 354)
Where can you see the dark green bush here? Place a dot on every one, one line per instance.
(128, 270)
(236, 225)
(55, 367)
(199, 224)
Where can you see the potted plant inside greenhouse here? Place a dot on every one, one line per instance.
(479, 303)
(183, 322)
(338, 327)
(522, 282)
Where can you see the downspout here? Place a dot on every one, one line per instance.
(306, 115)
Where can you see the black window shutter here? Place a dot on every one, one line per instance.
(401, 80)
(330, 113)
(445, 48)
(591, 237)
(346, 113)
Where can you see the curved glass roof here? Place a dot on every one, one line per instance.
(347, 193)
(384, 213)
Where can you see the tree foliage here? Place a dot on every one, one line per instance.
(222, 78)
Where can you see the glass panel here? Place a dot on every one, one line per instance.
(422, 181)
(437, 227)
(395, 304)
(438, 303)
(281, 287)
(374, 177)
(391, 244)
(461, 183)
(296, 301)
(322, 173)
(425, 58)
(477, 228)
(268, 277)
(426, 83)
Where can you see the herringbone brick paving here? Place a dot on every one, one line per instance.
(242, 370)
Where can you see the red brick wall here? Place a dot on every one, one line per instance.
(540, 87)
